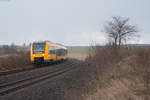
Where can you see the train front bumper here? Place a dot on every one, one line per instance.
(40, 60)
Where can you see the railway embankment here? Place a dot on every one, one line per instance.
(120, 75)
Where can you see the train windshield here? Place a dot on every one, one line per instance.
(38, 47)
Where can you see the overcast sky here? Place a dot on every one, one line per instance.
(70, 22)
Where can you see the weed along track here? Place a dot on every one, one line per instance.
(17, 84)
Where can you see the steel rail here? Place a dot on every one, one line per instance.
(19, 84)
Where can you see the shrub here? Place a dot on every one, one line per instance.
(132, 64)
(13, 62)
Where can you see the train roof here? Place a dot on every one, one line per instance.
(56, 44)
(40, 41)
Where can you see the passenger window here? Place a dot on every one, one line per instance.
(51, 50)
(61, 52)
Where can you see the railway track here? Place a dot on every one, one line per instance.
(12, 86)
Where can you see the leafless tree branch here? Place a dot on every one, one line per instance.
(119, 30)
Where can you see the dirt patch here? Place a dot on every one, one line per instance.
(78, 56)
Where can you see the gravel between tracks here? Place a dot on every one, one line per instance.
(64, 87)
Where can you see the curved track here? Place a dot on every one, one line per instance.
(15, 81)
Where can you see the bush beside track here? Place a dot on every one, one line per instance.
(13, 62)
(121, 75)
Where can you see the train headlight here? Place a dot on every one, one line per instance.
(43, 54)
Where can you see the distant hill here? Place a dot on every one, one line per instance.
(139, 45)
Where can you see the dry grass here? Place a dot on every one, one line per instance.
(14, 62)
(124, 75)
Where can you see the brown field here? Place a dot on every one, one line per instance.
(78, 56)
(13, 62)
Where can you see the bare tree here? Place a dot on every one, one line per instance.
(119, 31)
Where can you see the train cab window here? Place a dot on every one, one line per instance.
(38, 47)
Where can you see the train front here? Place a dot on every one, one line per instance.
(37, 52)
